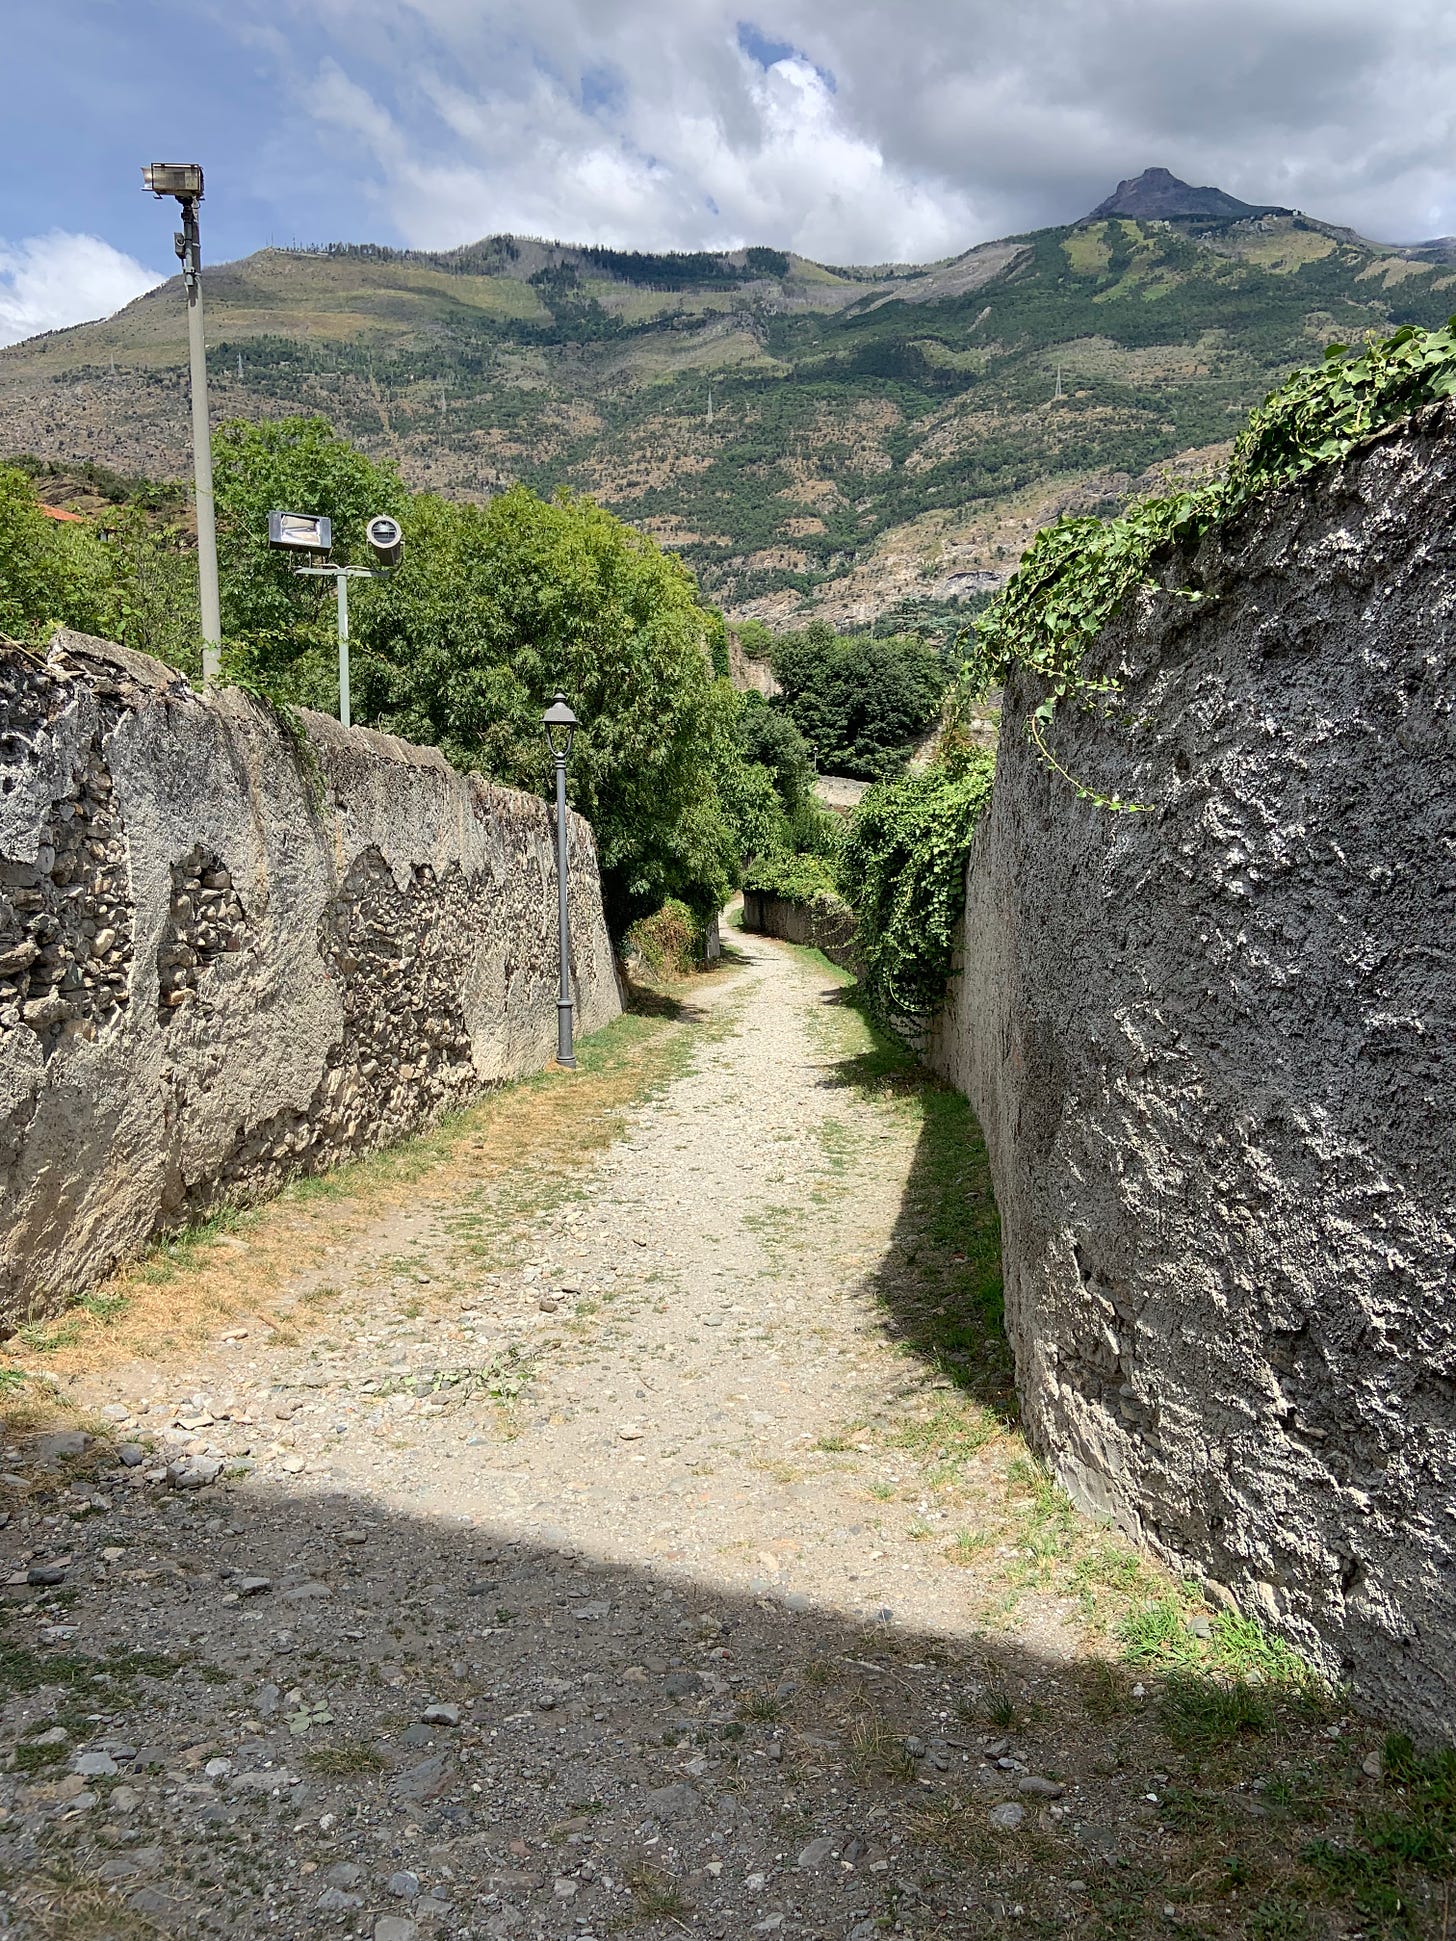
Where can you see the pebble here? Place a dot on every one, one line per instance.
(1007, 1816)
(394, 1927)
(95, 1765)
(1040, 1788)
(667, 1802)
(45, 1575)
(59, 1445)
(404, 1886)
(252, 1587)
(442, 1715)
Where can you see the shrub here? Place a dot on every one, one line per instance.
(797, 878)
(670, 941)
(904, 873)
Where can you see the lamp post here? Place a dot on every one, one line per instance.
(560, 725)
(184, 181)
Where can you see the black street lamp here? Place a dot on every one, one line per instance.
(560, 725)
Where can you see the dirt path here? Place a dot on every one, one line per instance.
(650, 1552)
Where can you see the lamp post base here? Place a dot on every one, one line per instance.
(565, 1056)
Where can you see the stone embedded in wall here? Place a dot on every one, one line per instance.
(205, 918)
(227, 958)
(1213, 1050)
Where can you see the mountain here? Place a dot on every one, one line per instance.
(1157, 196)
(865, 442)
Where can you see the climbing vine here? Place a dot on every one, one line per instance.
(1077, 573)
(903, 868)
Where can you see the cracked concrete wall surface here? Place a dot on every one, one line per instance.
(1213, 1049)
(229, 953)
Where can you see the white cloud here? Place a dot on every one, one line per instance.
(873, 128)
(47, 282)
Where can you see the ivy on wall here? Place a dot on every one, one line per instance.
(903, 869)
(1077, 573)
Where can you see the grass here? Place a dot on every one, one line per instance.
(344, 1759)
(761, 1706)
(517, 1151)
(656, 1896)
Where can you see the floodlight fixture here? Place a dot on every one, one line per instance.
(181, 179)
(300, 532)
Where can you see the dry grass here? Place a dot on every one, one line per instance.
(530, 1136)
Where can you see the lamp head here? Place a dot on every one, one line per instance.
(560, 725)
(181, 179)
(300, 532)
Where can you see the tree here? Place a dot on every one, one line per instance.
(859, 702)
(495, 606)
(281, 627)
(50, 575)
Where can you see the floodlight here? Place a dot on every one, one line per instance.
(386, 539)
(300, 532)
(182, 179)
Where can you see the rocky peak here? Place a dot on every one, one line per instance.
(1158, 195)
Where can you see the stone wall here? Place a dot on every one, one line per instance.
(230, 952)
(826, 925)
(1213, 1048)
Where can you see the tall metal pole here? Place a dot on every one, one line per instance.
(341, 581)
(189, 248)
(564, 1053)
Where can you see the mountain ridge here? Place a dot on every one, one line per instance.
(856, 441)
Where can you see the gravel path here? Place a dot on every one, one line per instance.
(585, 1577)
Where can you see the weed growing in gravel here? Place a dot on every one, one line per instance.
(657, 1896)
(877, 1750)
(763, 1706)
(345, 1757)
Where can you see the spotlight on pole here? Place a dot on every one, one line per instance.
(183, 180)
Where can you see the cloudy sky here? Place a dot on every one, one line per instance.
(857, 131)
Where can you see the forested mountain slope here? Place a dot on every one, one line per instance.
(852, 438)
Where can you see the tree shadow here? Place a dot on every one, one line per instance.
(305, 1702)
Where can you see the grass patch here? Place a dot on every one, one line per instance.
(517, 1151)
(656, 1895)
(344, 1758)
(762, 1706)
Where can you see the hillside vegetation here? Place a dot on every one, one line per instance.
(808, 438)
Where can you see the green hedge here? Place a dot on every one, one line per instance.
(798, 879)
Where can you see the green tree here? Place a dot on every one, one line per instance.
(51, 575)
(282, 627)
(860, 703)
(495, 606)
(769, 737)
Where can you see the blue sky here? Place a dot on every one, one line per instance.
(872, 130)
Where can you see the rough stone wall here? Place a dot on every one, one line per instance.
(825, 926)
(1213, 1048)
(229, 953)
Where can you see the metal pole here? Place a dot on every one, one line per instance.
(190, 250)
(341, 581)
(564, 1054)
